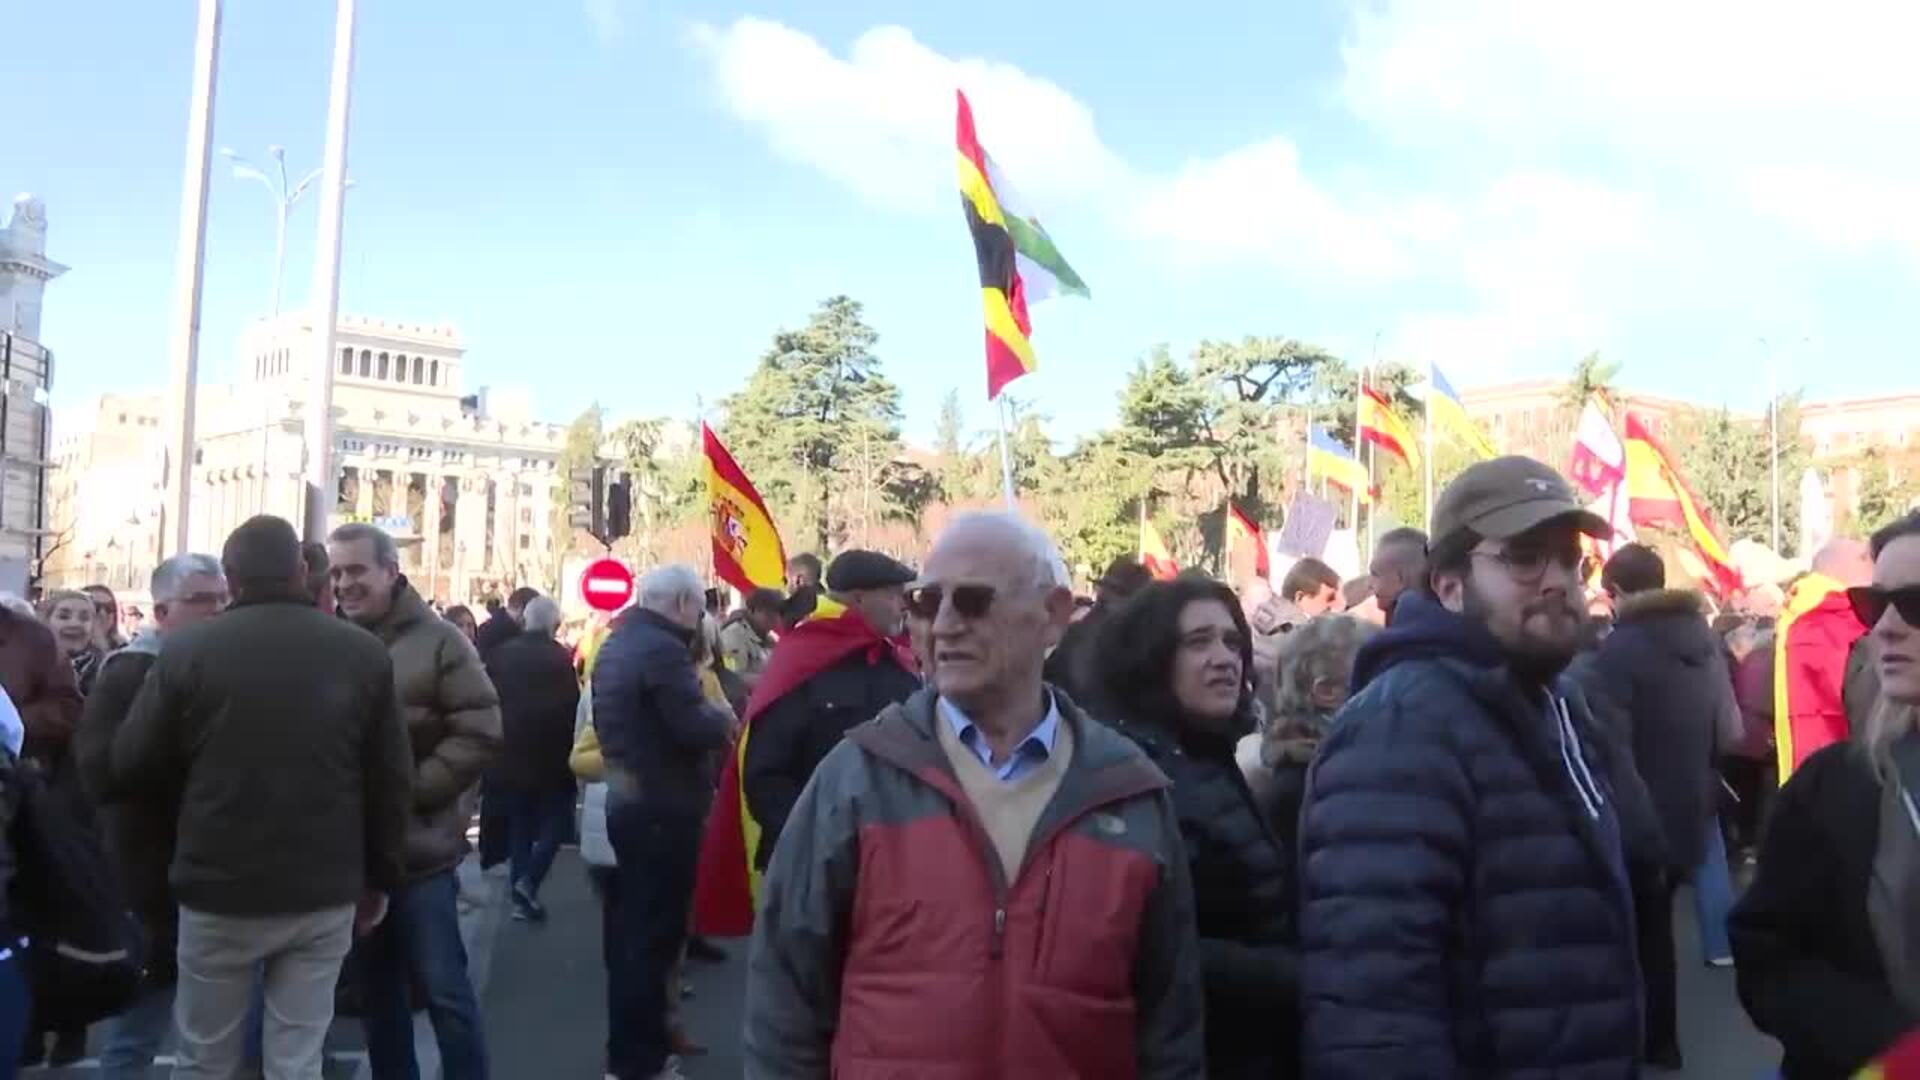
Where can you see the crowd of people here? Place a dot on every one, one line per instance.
(1430, 822)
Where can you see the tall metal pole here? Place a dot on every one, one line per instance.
(1006, 456)
(326, 279)
(1773, 449)
(280, 248)
(1427, 480)
(185, 346)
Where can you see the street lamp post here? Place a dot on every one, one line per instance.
(319, 478)
(284, 196)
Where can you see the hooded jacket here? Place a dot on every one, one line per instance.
(1665, 672)
(892, 944)
(453, 720)
(1465, 908)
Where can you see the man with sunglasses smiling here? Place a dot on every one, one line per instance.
(981, 881)
(1465, 908)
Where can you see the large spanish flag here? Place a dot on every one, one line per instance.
(1658, 495)
(726, 889)
(1381, 426)
(747, 553)
(1019, 263)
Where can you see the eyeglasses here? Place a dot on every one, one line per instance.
(1870, 603)
(1528, 562)
(969, 601)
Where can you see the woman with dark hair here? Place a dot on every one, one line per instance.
(1177, 663)
(1826, 941)
(461, 616)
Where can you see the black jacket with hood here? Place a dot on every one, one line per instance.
(1664, 671)
(1465, 909)
(1243, 898)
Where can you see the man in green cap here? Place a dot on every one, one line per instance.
(1465, 908)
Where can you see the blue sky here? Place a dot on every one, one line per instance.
(622, 199)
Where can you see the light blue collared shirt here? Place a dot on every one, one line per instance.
(1033, 751)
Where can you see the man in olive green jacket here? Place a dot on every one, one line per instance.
(453, 718)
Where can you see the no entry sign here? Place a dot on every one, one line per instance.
(606, 585)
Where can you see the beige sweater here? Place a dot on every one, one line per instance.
(1008, 810)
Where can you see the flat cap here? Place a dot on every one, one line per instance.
(1502, 498)
(857, 569)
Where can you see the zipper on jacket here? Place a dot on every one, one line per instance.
(999, 929)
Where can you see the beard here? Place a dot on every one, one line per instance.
(1533, 657)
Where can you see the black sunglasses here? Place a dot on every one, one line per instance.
(969, 601)
(1870, 604)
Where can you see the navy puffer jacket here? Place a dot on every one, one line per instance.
(1465, 910)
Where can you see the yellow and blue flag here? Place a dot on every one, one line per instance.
(1444, 408)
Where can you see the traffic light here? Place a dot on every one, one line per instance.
(581, 497)
(619, 508)
(597, 505)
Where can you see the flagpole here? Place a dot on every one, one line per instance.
(1353, 499)
(1006, 457)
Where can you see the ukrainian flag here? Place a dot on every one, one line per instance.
(1327, 458)
(1444, 408)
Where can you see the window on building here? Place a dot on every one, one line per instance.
(366, 362)
(526, 515)
(386, 366)
(346, 361)
(433, 373)
(525, 541)
(419, 370)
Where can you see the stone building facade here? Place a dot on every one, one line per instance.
(26, 376)
(464, 482)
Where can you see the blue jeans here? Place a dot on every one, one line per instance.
(1713, 896)
(537, 824)
(419, 944)
(16, 1004)
(653, 891)
(135, 1036)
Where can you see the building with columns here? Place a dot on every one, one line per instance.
(26, 375)
(466, 483)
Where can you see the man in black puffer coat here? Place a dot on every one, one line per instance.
(1464, 907)
(1663, 671)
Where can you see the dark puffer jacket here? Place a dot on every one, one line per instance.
(1665, 671)
(1243, 900)
(1465, 908)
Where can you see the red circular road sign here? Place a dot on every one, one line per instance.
(606, 585)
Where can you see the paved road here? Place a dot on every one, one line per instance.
(544, 1000)
(543, 993)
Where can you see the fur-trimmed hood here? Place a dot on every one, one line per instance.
(1641, 605)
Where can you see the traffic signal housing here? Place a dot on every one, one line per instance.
(619, 508)
(586, 500)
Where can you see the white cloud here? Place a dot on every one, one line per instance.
(881, 119)
(608, 19)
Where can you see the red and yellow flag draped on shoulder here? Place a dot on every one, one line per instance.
(727, 886)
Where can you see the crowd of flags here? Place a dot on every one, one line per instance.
(1633, 479)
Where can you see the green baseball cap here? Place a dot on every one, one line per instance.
(1502, 498)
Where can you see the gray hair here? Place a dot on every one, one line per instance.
(171, 575)
(1046, 568)
(385, 552)
(1322, 648)
(665, 586)
(542, 616)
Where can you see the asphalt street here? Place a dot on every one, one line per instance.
(543, 992)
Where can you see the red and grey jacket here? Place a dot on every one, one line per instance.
(890, 943)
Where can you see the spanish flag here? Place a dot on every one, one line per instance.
(747, 553)
(1019, 263)
(726, 889)
(1154, 554)
(1381, 426)
(1327, 458)
(1658, 495)
(1242, 530)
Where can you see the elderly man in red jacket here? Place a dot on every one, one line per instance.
(982, 882)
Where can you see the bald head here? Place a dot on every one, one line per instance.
(1847, 561)
(1026, 550)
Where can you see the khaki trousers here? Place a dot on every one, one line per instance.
(297, 956)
